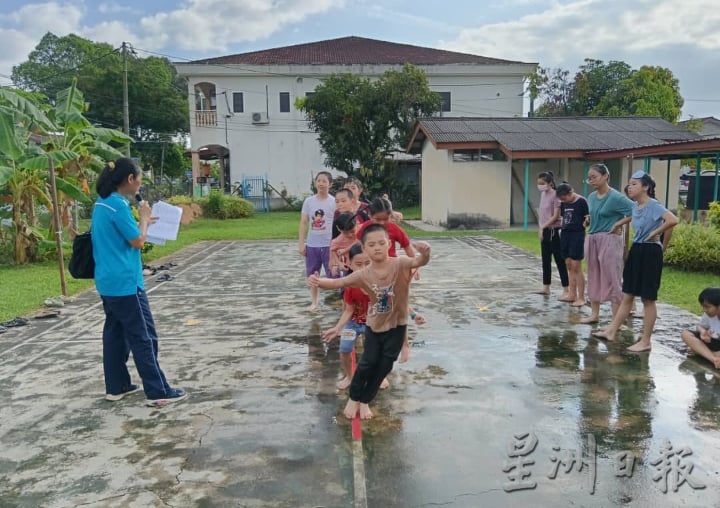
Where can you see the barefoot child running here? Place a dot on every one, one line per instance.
(352, 321)
(387, 283)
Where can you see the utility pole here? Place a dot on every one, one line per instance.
(125, 48)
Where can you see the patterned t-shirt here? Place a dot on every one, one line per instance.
(320, 214)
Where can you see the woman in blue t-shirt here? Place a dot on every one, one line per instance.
(117, 240)
(651, 221)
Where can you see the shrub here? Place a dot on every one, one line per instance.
(694, 247)
(180, 200)
(714, 214)
(219, 206)
(238, 208)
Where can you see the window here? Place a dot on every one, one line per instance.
(284, 102)
(238, 106)
(444, 101)
(478, 155)
(465, 155)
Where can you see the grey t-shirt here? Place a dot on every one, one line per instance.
(646, 219)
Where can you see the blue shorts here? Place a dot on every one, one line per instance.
(349, 334)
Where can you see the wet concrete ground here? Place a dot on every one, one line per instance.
(262, 426)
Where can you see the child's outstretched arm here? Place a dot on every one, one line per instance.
(331, 333)
(315, 281)
(423, 257)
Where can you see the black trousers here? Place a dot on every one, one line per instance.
(550, 248)
(380, 350)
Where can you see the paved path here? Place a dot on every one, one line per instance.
(262, 426)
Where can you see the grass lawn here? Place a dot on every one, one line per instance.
(24, 288)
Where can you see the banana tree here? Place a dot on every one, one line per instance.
(28, 136)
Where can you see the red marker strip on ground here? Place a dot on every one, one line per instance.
(356, 427)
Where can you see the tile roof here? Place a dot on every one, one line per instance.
(353, 50)
(553, 134)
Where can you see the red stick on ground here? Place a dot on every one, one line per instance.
(356, 428)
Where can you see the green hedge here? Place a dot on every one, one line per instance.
(694, 247)
(220, 206)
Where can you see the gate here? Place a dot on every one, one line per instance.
(255, 191)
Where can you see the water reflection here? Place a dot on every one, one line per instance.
(615, 387)
(704, 409)
(615, 401)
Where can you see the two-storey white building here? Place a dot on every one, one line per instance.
(242, 107)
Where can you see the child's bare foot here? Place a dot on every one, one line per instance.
(604, 335)
(385, 384)
(716, 361)
(351, 409)
(314, 308)
(589, 320)
(578, 303)
(343, 383)
(565, 298)
(640, 347)
(404, 353)
(365, 413)
(542, 292)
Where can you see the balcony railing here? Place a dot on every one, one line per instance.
(206, 118)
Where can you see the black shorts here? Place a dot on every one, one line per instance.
(572, 245)
(714, 344)
(643, 270)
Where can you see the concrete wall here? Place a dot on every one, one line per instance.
(474, 193)
(285, 149)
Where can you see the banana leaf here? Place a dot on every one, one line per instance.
(10, 145)
(6, 173)
(108, 135)
(27, 108)
(72, 191)
(59, 157)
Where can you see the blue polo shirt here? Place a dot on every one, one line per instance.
(118, 268)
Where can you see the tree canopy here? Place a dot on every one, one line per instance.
(157, 97)
(607, 89)
(359, 121)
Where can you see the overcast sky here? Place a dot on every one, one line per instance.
(683, 35)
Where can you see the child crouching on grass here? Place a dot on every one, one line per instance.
(387, 283)
(705, 339)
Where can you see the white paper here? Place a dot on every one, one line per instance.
(167, 225)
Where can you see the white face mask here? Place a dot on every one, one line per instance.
(542, 188)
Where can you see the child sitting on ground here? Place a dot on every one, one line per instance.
(705, 339)
(387, 282)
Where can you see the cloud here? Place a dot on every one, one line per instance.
(107, 8)
(204, 25)
(198, 26)
(678, 34)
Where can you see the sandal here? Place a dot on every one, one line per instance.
(45, 314)
(17, 321)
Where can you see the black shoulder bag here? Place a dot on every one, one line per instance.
(82, 262)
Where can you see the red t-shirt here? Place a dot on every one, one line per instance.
(395, 233)
(360, 301)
